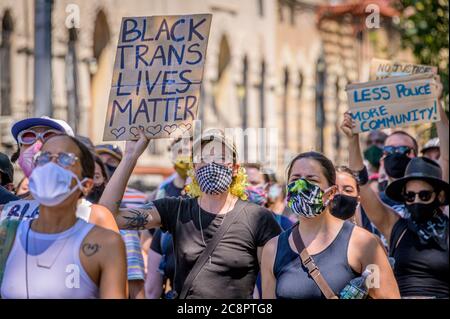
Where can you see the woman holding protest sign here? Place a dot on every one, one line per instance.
(321, 254)
(422, 235)
(218, 237)
(58, 255)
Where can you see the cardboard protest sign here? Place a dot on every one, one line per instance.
(381, 69)
(20, 209)
(157, 75)
(393, 102)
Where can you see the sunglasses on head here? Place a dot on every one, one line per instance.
(424, 196)
(62, 159)
(388, 150)
(29, 137)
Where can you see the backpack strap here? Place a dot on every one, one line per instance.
(229, 218)
(309, 263)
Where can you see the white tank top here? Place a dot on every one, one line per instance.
(54, 269)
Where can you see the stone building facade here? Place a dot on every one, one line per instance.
(277, 64)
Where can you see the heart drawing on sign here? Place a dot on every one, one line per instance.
(134, 131)
(154, 129)
(170, 128)
(118, 132)
(184, 127)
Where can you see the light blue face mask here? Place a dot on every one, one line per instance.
(50, 184)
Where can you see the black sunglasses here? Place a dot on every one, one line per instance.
(424, 196)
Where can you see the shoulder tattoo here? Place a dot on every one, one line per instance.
(90, 249)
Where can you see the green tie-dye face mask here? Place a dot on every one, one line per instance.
(305, 199)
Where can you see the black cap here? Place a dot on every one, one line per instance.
(6, 169)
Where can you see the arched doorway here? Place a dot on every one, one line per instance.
(222, 93)
(5, 64)
(100, 77)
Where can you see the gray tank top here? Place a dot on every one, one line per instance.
(53, 270)
(293, 280)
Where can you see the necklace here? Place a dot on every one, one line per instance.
(200, 223)
(48, 263)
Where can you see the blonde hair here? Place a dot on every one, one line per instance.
(237, 187)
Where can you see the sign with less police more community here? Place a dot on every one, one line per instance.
(393, 102)
(157, 76)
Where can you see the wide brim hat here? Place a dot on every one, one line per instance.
(419, 168)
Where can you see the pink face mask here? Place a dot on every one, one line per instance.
(26, 158)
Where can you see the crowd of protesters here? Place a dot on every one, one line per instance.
(217, 228)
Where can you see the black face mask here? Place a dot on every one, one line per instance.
(344, 206)
(421, 213)
(395, 165)
(96, 193)
(110, 170)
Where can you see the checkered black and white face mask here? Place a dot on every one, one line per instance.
(214, 179)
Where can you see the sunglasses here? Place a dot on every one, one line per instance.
(29, 137)
(62, 159)
(405, 150)
(424, 196)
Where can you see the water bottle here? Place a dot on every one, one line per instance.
(356, 288)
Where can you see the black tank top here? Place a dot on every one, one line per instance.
(420, 269)
(293, 280)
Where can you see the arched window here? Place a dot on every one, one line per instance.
(5, 64)
(101, 35)
(261, 8)
(220, 86)
(262, 97)
(320, 101)
(337, 141)
(299, 110)
(285, 106)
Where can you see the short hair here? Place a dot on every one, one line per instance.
(416, 146)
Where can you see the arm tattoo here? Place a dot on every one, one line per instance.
(90, 249)
(137, 219)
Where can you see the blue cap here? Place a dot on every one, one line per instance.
(39, 121)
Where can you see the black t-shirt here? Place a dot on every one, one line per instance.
(420, 269)
(232, 269)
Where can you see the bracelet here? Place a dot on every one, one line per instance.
(363, 176)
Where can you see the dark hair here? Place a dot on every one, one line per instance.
(86, 158)
(328, 169)
(100, 163)
(15, 155)
(345, 169)
(416, 146)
